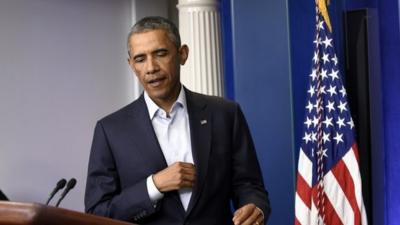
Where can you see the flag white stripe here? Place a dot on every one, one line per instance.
(351, 163)
(305, 167)
(302, 211)
(364, 220)
(338, 199)
(304, 215)
(314, 214)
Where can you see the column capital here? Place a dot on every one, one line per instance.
(198, 3)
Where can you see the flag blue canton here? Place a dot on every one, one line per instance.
(336, 124)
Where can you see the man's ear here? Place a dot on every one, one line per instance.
(183, 53)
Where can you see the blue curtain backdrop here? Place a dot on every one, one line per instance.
(257, 75)
(390, 63)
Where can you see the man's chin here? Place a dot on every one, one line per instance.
(159, 95)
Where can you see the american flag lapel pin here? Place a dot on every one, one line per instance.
(202, 122)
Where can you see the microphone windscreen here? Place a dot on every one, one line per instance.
(61, 184)
(71, 183)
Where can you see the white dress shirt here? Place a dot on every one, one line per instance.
(173, 134)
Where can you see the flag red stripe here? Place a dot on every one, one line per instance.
(296, 222)
(331, 217)
(355, 150)
(303, 190)
(343, 176)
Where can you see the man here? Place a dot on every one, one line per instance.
(173, 156)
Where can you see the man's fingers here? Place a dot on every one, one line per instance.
(253, 218)
(187, 177)
(185, 174)
(187, 170)
(242, 214)
(184, 165)
(236, 215)
(186, 184)
(248, 215)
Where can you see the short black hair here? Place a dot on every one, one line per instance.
(155, 23)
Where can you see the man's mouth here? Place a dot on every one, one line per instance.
(156, 82)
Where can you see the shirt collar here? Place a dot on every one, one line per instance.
(153, 107)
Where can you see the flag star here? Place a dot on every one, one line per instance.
(311, 90)
(340, 122)
(307, 137)
(316, 58)
(334, 74)
(327, 42)
(324, 74)
(320, 25)
(332, 90)
(342, 106)
(313, 74)
(317, 41)
(316, 106)
(313, 136)
(308, 122)
(325, 137)
(325, 58)
(322, 89)
(315, 121)
(330, 106)
(335, 59)
(343, 91)
(338, 138)
(323, 152)
(328, 121)
(310, 106)
(351, 123)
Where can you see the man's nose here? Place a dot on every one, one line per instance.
(151, 66)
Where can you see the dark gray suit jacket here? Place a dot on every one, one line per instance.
(125, 151)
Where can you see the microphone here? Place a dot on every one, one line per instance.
(60, 185)
(71, 184)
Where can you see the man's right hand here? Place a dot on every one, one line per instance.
(176, 176)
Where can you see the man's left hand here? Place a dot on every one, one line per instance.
(248, 215)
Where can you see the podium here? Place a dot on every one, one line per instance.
(16, 213)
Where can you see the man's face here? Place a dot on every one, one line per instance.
(156, 62)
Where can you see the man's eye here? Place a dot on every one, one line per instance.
(161, 53)
(139, 59)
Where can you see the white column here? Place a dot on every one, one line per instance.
(200, 29)
(137, 87)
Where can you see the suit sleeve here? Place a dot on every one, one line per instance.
(247, 180)
(104, 196)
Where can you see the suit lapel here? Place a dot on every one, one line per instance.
(142, 127)
(200, 135)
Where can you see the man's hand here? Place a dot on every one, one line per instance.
(248, 215)
(174, 177)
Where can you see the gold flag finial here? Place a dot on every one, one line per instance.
(324, 12)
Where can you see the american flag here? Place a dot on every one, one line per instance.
(328, 177)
